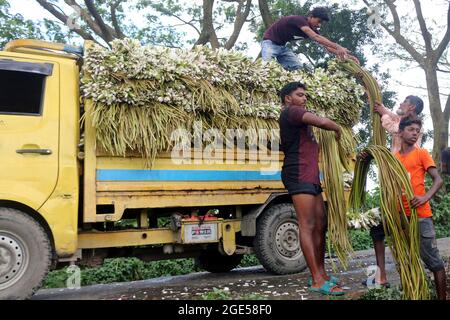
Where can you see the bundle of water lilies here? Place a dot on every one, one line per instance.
(364, 220)
(141, 94)
(402, 231)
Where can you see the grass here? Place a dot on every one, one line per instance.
(224, 294)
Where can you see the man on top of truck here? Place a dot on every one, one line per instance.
(292, 28)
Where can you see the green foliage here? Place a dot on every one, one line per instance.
(249, 260)
(56, 279)
(225, 294)
(382, 294)
(123, 270)
(216, 294)
(360, 239)
(440, 205)
(132, 269)
(395, 293)
(115, 270)
(372, 199)
(170, 268)
(14, 26)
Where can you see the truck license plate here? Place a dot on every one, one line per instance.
(200, 233)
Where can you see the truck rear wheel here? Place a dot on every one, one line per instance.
(277, 243)
(213, 261)
(25, 254)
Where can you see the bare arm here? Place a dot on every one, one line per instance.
(320, 39)
(382, 110)
(323, 123)
(334, 51)
(332, 47)
(417, 201)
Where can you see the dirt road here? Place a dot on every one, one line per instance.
(240, 283)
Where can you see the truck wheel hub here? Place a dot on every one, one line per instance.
(11, 260)
(287, 240)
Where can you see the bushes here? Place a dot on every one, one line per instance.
(123, 270)
(440, 205)
(360, 239)
(131, 269)
(382, 294)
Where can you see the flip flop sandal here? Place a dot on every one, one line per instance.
(327, 289)
(333, 279)
(386, 284)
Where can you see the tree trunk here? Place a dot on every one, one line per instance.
(439, 118)
(241, 15)
(265, 13)
(208, 33)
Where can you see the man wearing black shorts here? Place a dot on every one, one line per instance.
(300, 176)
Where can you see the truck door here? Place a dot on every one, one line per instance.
(29, 130)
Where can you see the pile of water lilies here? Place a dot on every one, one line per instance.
(141, 94)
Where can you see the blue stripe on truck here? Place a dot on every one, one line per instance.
(185, 175)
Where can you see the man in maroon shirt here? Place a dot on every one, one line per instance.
(300, 176)
(293, 28)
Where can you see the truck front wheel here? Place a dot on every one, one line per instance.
(25, 254)
(276, 242)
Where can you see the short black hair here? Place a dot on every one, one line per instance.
(289, 88)
(320, 12)
(407, 122)
(417, 102)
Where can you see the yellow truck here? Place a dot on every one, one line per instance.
(63, 200)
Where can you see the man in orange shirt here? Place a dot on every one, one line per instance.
(418, 162)
(410, 108)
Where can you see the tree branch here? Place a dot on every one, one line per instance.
(396, 33)
(265, 13)
(423, 27)
(86, 18)
(63, 18)
(418, 87)
(241, 16)
(208, 33)
(446, 39)
(51, 8)
(447, 108)
(171, 14)
(106, 30)
(117, 29)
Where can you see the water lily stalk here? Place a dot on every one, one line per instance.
(334, 163)
(402, 232)
(373, 94)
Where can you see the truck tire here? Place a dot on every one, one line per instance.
(25, 254)
(276, 242)
(213, 261)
